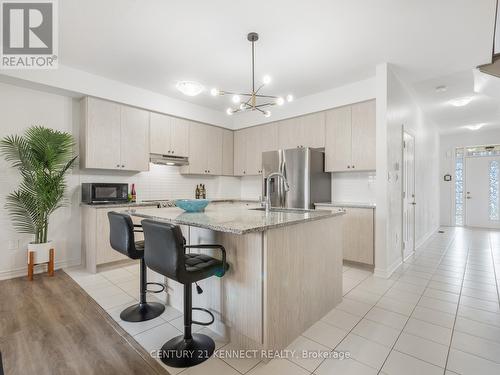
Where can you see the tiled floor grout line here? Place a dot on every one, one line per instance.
(494, 268)
(348, 332)
(456, 312)
(363, 317)
(409, 317)
(437, 261)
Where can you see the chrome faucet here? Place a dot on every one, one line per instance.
(267, 198)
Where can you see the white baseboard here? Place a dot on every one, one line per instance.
(386, 273)
(426, 236)
(23, 271)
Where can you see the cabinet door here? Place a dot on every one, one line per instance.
(338, 140)
(253, 153)
(363, 136)
(198, 140)
(134, 139)
(160, 130)
(227, 153)
(268, 140)
(104, 252)
(214, 150)
(289, 134)
(179, 137)
(312, 128)
(239, 152)
(101, 138)
(358, 235)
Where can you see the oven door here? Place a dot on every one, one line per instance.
(109, 193)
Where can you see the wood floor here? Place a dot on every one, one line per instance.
(51, 326)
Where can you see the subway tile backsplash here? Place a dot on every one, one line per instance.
(166, 182)
(353, 187)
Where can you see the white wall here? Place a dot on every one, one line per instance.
(402, 112)
(82, 83)
(20, 108)
(352, 93)
(448, 144)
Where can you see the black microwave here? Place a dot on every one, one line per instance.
(95, 193)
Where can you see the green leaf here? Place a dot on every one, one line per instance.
(43, 157)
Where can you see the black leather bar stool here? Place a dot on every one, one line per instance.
(122, 240)
(165, 253)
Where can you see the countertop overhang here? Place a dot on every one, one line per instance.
(232, 218)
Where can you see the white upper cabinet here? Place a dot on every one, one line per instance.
(350, 138)
(169, 135)
(134, 139)
(227, 152)
(205, 150)
(338, 142)
(363, 136)
(113, 136)
(249, 144)
(304, 131)
(240, 152)
(312, 129)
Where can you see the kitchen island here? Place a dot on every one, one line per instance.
(285, 269)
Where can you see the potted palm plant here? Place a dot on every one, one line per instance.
(43, 156)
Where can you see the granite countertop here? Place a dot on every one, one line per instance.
(120, 205)
(237, 218)
(346, 204)
(154, 203)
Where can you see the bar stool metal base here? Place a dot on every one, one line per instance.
(180, 352)
(142, 312)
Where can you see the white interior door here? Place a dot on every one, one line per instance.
(408, 194)
(482, 192)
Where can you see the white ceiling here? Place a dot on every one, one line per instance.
(306, 46)
(436, 105)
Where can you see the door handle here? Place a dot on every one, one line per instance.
(413, 203)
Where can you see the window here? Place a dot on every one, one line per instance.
(493, 191)
(459, 186)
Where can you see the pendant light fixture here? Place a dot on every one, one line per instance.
(254, 100)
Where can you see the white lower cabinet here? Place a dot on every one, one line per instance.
(358, 233)
(96, 248)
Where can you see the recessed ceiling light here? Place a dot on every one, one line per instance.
(474, 127)
(441, 88)
(460, 102)
(189, 88)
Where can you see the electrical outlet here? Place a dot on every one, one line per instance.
(13, 244)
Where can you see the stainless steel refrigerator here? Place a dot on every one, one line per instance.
(304, 169)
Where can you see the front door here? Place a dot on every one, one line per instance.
(408, 194)
(482, 191)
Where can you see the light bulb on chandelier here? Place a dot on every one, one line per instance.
(254, 99)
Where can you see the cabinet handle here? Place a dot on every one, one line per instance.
(353, 167)
(117, 165)
(123, 166)
(348, 166)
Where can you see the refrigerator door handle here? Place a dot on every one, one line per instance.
(282, 185)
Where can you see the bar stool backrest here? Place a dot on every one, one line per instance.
(121, 235)
(164, 249)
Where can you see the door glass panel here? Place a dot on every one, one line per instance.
(493, 190)
(459, 186)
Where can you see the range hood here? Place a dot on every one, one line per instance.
(168, 159)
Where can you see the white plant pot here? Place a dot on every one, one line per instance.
(40, 251)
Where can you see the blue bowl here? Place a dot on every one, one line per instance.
(192, 205)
